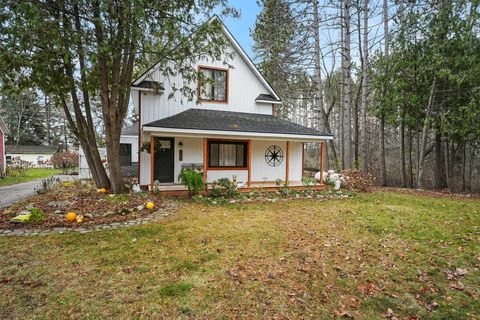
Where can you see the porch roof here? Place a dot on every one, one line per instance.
(227, 123)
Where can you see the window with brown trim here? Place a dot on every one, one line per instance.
(213, 84)
(227, 154)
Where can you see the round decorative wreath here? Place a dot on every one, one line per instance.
(274, 156)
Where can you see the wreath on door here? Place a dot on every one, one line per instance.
(274, 156)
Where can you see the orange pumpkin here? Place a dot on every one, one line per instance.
(102, 190)
(150, 205)
(71, 216)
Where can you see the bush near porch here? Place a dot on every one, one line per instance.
(382, 255)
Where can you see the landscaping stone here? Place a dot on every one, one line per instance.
(157, 215)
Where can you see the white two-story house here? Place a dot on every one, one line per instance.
(232, 132)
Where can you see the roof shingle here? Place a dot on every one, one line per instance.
(202, 119)
(267, 97)
(131, 130)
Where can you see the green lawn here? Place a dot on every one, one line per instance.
(358, 257)
(31, 174)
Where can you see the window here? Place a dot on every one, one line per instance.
(125, 154)
(213, 84)
(226, 154)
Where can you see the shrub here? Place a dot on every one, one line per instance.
(308, 181)
(36, 214)
(224, 188)
(47, 185)
(65, 160)
(192, 179)
(356, 180)
(18, 170)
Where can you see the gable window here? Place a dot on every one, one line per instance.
(125, 154)
(227, 154)
(213, 84)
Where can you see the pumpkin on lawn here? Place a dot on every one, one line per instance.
(150, 205)
(71, 216)
(102, 190)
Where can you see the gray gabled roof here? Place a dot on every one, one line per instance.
(29, 149)
(131, 130)
(267, 97)
(214, 120)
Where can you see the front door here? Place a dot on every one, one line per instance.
(164, 159)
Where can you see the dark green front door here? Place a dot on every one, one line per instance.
(164, 159)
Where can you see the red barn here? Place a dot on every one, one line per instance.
(3, 133)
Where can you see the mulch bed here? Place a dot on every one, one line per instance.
(81, 198)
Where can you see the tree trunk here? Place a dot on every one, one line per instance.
(347, 65)
(322, 115)
(464, 155)
(410, 158)
(423, 145)
(452, 166)
(365, 88)
(438, 175)
(342, 84)
(403, 169)
(81, 127)
(48, 120)
(383, 167)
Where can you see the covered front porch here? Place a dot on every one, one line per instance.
(256, 151)
(254, 163)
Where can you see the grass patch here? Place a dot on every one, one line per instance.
(30, 174)
(298, 259)
(118, 198)
(176, 289)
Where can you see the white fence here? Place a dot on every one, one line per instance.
(84, 170)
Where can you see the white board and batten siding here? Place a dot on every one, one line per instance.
(243, 88)
(260, 169)
(133, 140)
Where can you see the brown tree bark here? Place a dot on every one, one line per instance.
(365, 88)
(322, 114)
(439, 169)
(403, 169)
(82, 128)
(347, 103)
(426, 125)
(383, 166)
(114, 87)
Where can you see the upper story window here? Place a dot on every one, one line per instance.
(213, 84)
